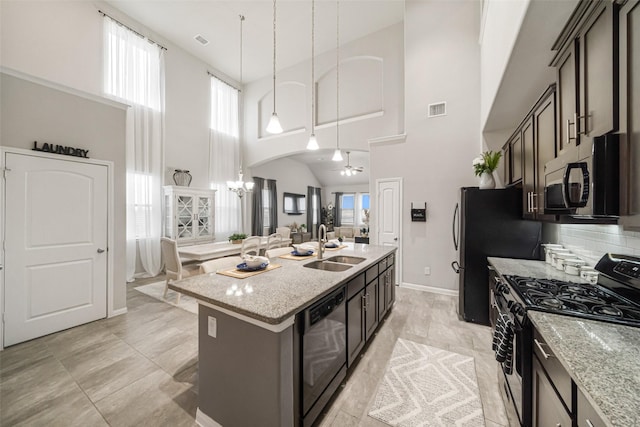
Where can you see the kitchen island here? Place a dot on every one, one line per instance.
(601, 358)
(250, 331)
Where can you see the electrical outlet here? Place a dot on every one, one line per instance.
(427, 271)
(213, 327)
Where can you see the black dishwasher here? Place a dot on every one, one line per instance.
(323, 352)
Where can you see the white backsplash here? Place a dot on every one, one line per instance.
(593, 241)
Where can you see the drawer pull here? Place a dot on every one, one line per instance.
(589, 423)
(544, 353)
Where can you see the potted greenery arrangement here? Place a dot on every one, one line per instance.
(484, 166)
(237, 238)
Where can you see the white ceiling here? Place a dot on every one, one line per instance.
(328, 172)
(218, 21)
(179, 21)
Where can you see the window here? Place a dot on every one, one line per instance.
(224, 108)
(142, 203)
(224, 156)
(266, 206)
(132, 67)
(347, 209)
(352, 208)
(314, 210)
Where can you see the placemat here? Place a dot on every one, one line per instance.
(239, 274)
(336, 249)
(297, 257)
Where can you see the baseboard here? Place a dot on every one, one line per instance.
(204, 420)
(118, 312)
(431, 289)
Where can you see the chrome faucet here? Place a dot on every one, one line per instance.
(322, 239)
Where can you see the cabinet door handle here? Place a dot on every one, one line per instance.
(100, 250)
(534, 202)
(577, 118)
(544, 353)
(569, 124)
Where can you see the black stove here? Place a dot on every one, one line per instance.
(615, 298)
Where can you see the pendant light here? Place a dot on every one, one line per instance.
(337, 154)
(274, 125)
(313, 142)
(240, 187)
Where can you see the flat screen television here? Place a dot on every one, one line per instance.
(294, 204)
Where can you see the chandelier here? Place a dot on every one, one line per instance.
(240, 187)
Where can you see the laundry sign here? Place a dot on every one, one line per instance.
(61, 149)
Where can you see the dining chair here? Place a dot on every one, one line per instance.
(251, 246)
(285, 232)
(274, 240)
(172, 265)
(276, 252)
(214, 265)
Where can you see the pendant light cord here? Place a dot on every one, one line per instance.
(241, 20)
(274, 56)
(337, 73)
(313, 78)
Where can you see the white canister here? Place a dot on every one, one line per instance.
(572, 265)
(557, 255)
(589, 274)
(548, 248)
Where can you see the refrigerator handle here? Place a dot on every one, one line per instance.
(454, 229)
(455, 266)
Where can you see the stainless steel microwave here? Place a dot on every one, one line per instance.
(586, 187)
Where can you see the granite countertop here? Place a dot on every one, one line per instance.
(276, 295)
(602, 358)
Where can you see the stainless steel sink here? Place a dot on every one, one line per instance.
(346, 259)
(327, 266)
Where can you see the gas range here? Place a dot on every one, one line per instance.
(615, 298)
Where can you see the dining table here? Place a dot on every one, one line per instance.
(207, 251)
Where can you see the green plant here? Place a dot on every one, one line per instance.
(237, 236)
(487, 162)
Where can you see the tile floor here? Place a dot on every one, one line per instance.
(141, 368)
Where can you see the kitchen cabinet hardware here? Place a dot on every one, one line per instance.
(544, 353)
(100, 250)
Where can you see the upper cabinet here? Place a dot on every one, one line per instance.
(527, 151)
(587, 77)
(630, 113)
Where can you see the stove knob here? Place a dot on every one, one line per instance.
(516, 308)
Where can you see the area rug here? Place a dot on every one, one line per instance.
(156, 290)
(428, 386)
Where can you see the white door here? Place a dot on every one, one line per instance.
(55, 245)
(389, 220)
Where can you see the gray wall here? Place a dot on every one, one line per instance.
(34, 112)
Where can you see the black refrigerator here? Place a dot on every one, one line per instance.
(488, 223)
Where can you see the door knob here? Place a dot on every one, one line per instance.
(100, 250)
(395, 239)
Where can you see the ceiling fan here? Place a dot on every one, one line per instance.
(349, 170)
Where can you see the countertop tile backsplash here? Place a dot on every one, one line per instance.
(593, 241)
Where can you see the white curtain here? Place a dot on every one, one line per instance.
(224, 154)
(134, 73)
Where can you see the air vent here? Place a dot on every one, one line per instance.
(437, 109)
(201, 40)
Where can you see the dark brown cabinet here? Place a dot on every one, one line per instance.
(530, 147)
(586, 415)
(369, 297)
(370, 308)
(552, 387)
(629, 52)
(548, 409)
(587, 77)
